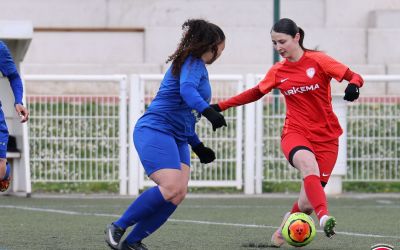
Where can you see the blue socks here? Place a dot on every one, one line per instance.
(149, 225)
(148, 203)
(149, 212)
(8, 171)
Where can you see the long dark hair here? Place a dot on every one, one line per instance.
(289, 27)
(198, 37)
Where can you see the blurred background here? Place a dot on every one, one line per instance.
(91, 67)
(136, 36)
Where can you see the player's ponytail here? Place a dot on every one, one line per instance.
(301, 32)
(198, 37)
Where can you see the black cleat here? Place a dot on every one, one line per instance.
(135, 246)
(113, 235)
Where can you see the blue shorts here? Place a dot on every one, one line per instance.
(3, 135)
(158, 150)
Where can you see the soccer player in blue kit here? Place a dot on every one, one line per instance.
(9, 70)
(163, 134)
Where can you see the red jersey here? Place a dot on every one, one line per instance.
(306, 87)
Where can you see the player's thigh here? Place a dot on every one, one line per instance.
(326, 155)
(185, 169)
(306, 162)
(172, 178)
(184, 156)
(157, 151)
(291, 143)
(167, 178)
(299, 151)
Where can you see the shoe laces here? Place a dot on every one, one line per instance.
(118, 232)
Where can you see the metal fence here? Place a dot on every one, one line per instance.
(77, 138)
(373, 139)
(85, 138)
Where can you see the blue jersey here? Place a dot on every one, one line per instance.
(180, 101)
(9, 70)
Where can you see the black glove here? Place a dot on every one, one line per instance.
(206, 155)
(351, 93)
(217, 120)
(216, 107)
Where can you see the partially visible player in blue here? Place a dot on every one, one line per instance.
(9, 70)
(163, 134)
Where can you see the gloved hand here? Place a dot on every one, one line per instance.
(216, 107)
(351, 93)
(206, 155)
(4, 184)
(217, 120)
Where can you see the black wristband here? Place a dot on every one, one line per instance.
(216, 107)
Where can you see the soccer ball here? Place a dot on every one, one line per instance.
(299, 229)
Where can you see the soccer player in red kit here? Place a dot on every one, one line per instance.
(310, 134)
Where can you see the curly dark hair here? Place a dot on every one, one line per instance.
(198, 37)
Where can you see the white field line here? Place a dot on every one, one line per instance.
(283, 206)
(366, 207)
(66, 212)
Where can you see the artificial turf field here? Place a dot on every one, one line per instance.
(201, 222)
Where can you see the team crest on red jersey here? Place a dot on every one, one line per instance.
(310, 72)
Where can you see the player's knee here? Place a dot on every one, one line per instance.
(170, 193)
(305, 206)
(173, 192)
(182, 195)
(308, 168)
(179, 198)
(307, 164)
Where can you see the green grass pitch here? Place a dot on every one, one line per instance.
(218, 222)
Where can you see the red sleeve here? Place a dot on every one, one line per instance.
(354, 78)
(268, 83)
(250, 95)
(253, 94)
(329, 65)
